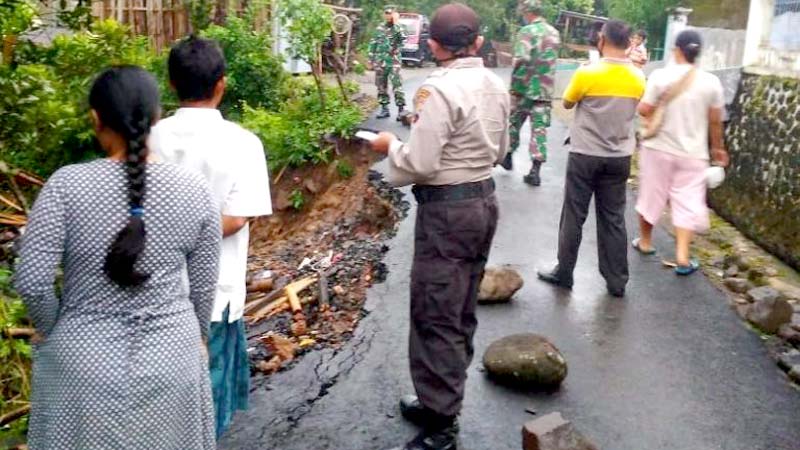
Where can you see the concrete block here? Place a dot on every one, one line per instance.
(553, 432)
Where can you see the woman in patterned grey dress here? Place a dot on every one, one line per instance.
(121, 364)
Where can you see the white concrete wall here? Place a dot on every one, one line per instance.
(722, 49)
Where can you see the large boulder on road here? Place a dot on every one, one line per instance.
(528, 361)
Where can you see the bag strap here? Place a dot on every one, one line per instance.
(678, 87)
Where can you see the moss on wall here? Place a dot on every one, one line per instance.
(728, 14)
(762, 193)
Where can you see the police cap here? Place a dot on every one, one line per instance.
(455, 26)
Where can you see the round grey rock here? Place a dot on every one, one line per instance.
(769, 311)
(526, 360)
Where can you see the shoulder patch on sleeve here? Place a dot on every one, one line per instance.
(420, 98)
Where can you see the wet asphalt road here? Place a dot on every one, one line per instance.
(668, 367)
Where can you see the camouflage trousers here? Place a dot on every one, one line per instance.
(385, 75)
(539, 113)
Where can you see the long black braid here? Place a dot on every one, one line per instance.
(126, 100)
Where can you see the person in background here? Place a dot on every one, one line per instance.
(121, 359)
(673, 163)
(605, 95)
(637, 52)
(460, 133)
(384, 59)
(232, 161)
(532, 84)
(594, 39)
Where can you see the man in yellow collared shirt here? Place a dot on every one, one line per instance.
(605, 94)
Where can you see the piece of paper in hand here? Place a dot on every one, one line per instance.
(366, 135)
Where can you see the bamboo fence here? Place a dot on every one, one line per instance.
(163, 21)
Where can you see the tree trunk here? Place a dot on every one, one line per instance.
(320, 88)
(9, 43)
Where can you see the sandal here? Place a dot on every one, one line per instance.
(684, 271)
(639, 249)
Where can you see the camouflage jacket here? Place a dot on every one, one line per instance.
(535, 56)
(386, 44)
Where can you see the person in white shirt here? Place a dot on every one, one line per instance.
(673, 162)
(232, 160)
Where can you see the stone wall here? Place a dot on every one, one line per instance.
(762, 193)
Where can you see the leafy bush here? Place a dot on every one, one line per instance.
(254, 74)
(15, 358)
(344, 169)
(295, 134)
(41, 128)
(16, 16)
(297, 199)
(43, 100)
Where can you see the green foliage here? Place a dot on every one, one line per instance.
(308, 23)
(553, 7)
(344, 169)
(43, 99)
(297, 199)
(648, 14)
(358, 68)
(42, 128)
(200, 13)
(78, 58)
(16, 16)
(15, 358)
(294, 135)
(254, 74)
(79, 17)
(500, 18)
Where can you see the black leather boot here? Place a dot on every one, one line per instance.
(553, 277)
(384, 113)
(440, 438)
(508, 162)
(533, 177)
(413, 411)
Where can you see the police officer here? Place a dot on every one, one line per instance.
(460, 133)
(532, 83)
(384, 57)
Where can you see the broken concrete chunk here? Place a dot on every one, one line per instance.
(526, 360)
(552, 432)
(499, 285)
(769, 310)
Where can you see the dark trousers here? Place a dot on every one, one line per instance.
(451, 247)
(606, 179)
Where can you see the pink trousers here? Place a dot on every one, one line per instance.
(666, 178)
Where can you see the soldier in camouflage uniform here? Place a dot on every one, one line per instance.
(384, 56)
(532, 84)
